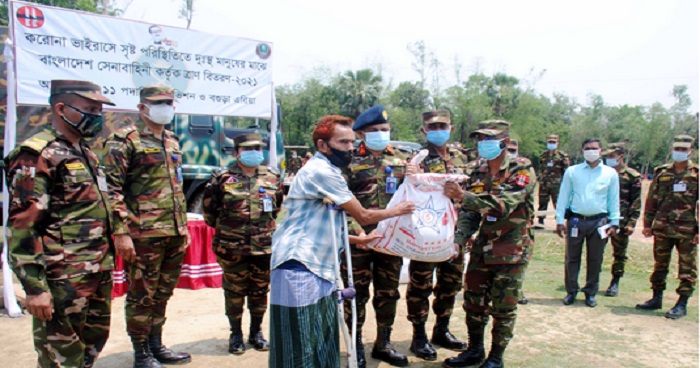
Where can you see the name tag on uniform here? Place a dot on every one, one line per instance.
(550, 164)
(359, 168)
(437, 168)
(680, 187)
(102, 183)
(75, 166)
(151, 150)
(233, 186)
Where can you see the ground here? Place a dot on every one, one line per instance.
(547, 333)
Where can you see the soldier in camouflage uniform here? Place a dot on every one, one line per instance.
(670, 215)
(441, 159)
(553, 163)
(630, 206)
(242, 203)
(150, 220)
(373, 176)
(500, 204)
(294, 163)
(513, 147)
(58, 229)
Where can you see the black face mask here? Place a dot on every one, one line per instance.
(89, 125)
(339, 158)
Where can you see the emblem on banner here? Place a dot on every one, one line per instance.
(263, 50)
(30, 17)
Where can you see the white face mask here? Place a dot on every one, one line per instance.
(591, 155)
(161, 114)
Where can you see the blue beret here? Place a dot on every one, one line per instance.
(372, 116)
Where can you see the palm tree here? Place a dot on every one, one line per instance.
(358, 91)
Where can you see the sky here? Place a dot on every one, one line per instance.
(629, 52)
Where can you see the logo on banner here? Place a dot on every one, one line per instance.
(30, 17)
(263, 50)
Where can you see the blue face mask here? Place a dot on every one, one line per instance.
(612, 162)
(251, 158)
(489, 149)
(551, 146)
(377, 141)
(679, 156)
(438, 137)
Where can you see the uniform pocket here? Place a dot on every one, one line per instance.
(82, 241)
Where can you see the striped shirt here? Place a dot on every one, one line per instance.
(305, 233)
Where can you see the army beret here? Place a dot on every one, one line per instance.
(683, 141)
(84, 89)
(615, 147)
(492, 128)
(436, 116)
(372, 116)
(247, 140)
(157, 93)
(552, 137)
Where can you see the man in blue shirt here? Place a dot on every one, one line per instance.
(590, 200)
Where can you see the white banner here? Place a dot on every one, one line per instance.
(211, 74)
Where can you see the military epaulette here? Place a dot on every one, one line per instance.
(633, 172)
(563, 153)
(125, 131)
(662, 167)
(38, 141)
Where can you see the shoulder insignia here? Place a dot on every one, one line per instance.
(633, 172)
(39, 141)
(124, 132)
(665, 178)
(522, 178)
(563, 153)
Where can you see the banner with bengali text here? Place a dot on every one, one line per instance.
(211, 74)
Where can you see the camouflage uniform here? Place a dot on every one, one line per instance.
(552, 167)
(148, 205)
(294, 165)
(58, 238)
(234, 206)
(501, 207)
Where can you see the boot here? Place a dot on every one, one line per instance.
(235, 341)
(142, 356)
(614, 287)
(523, 300)
(495, 359)
(443, 337)
(420, 345)
(678, 311)
(256, 337)
(163, 354)
(359, 348)
(654, 303)
(473, 355)
(384, 351)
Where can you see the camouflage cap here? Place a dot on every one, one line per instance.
(513, 143)
(157, 93)
(683, 141)
(247, 140)
(436, 116)
(84, 89)
(618, 147)
(553, 137)
(492, 128)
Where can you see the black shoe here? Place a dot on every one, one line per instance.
(258, 341)
(472, 356)
(443, 337)
(614, 288)
(679, 310)
(143, 357)
(569, 299)
(384, 351)
(492, 362)
(165, 355)
(235, 343)
(523, 300)
(590, 301)
(360, 349)
(420, 345)
(654, 303)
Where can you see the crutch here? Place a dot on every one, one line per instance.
(344, 293)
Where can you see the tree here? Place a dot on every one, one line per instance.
(107, 7)
(358, 91)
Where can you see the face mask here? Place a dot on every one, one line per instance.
(161, 114)
(339, 158)
(551, 146)
(489, 149)
(294, 156)
(591, 155)
(679, 156)
(377, 141)
(251, 158)
(438, 137)
(612, 162)
(89, 125)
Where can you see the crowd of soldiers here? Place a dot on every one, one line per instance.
(70, 209)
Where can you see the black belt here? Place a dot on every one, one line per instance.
(589, 218)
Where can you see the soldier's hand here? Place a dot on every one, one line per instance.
(646, 232)
(629, 230)
(404, 208)
(412, 169)
(561, 231)
(454, 191)
(363, 239)
(612, 231)
(125, 247)
(456, 254)
(40, 306)
(470, 243)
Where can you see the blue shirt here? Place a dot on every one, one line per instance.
(590, 192)
(305, 233)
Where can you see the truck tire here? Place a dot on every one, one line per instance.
(196, 202)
